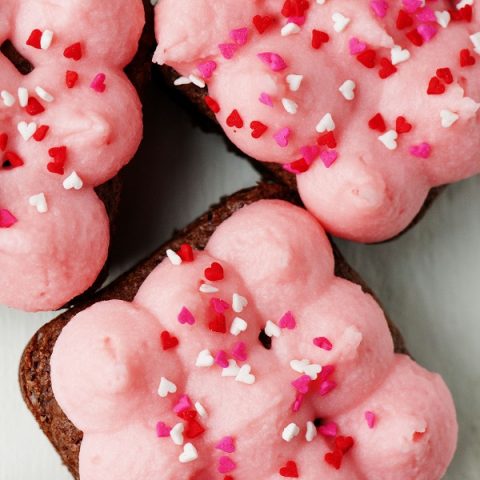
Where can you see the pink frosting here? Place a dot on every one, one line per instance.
(359, 189)
(59, 241)
(108, 363)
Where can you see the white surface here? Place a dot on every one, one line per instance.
(428, 282)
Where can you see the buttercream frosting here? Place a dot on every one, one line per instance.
(248, 360)
(65, 128)
(372, 102)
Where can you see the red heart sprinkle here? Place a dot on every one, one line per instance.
(41, 132)
(334, 458)
(258, 129)
(235, 120)
(377, 123)
(445, 74)
(295, 8)
(465, 13)
(168, 341)
(212, 104)
(466, 58)
(214, 272)
(186, 252)
(367, 58)
(12, 160)
(319, 38)
(387, 68)
(299, 166)
(34, 107)
(73, 51)
(415, 38)
(262, 23)
(194, 429)
(218, 324)
(3, 141)
(327, 139)
(290, 470)
(344, 443)
(34, 39)
(59, 155)
(435, 87)
(404, 20)
(71, 78)
(188, 414)
(402, 126)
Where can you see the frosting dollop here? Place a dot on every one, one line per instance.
(250, 358)
(371, 103)
(66, 127)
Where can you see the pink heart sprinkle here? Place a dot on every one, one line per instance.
(302, 384)
(221, 359)
(206, 69)
(239, 36)
(228, 50)
(297, 404)
(380, 7)
(239, 351)
(6, 219)
(226, 465)
(370, 418)
(266, 99)
(273, 60)
(329, 157)
(426, 15)
(323, 343)
(356, 46)
(423, 150)
(427, 31)
(281, 137)
(162, 430)
(226, 444)
(326, 387)
(182, 404)
(297, 20)
(287, 321)
(411, 6)
(310, 153)
(328, 429)
(219, 305)
(185, 316)
(98, 83)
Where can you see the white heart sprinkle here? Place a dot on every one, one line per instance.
(199, 82)
(347, 89)
(46, 39)
(232, 369)
(73, 181)
(272, 330)
(189, 453)
(443, 18)
(176, 433)
(290, 106)
(204, 359)
(182, 81)
(464, 3)
(290, 29)
(201, 410)
(321, 2)
(207, 288)
(44, 95)
(311, 432)
(326, 124)
(312, 370)
(174, 257)
(389, 139)
(22, 96)
(340, 22)
(399, 55)
(448, 118)
(299, 365)
(244, 375)
(294, 82)
(238, 303)
(238, 326)
(290, 432)
(27, 130)
(475, 38)
(8, 98)
(39, 202)
(166, 387)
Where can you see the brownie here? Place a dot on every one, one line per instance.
(193, 99)
(34, 373)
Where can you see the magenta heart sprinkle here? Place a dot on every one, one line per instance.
(310, 153)
(239, 351)
(98, 83)
(239, 36)
(219, 305)
(323, 343)
(7, 219)
(182, 404)
(228, 50)
(226, 465)
(287, 321)
(281, 137)
(380, 7)
(185, 316)
(266, 99)
(221, 359)
(329, 157)
(162, 430)
(328, 429)
(302, 384)
(427, 31)
(356, 46)
(206, 69)
(370, 418)
(273, 60)
(423, 150)
(226, 444)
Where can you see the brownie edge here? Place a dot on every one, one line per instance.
(34, 372)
